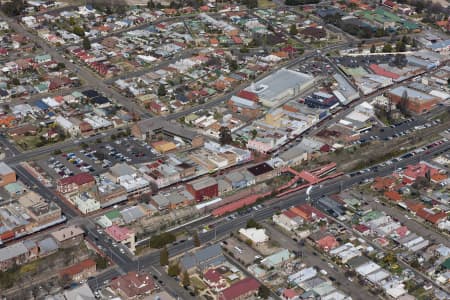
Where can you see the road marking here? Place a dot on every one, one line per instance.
(156, 270)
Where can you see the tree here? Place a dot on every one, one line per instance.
(233, 65)
(173, 270)
(387, 48)
(162, 90)
(86, 43)
(13, 8)
(251, 223)
(400, 46)
(254, 133)
(78, 30)
(448, 81)
(164, 257)
(373, 49)
(186, 280)
(150, 4)
(403, 104)
(161, 240)
(225, 137)
(263, 291)
(101, 262)
(293, 29)
(196, 240)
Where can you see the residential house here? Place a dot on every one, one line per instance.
(243, 289)
(133, 285)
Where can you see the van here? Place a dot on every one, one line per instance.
(238, 249)
(323, 272)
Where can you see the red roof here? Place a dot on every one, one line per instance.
(393, 195)
(212, 276)
(361, 228)
(78, 179)
(134, 284)
(430, 216)
(328, 242)
(248, 95)
(383, 72)
(289, 214)
(240, 288)
(78, 268)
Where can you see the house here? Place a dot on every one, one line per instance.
(79, 271)
(77, 183)
(68, 237)
(133, 285)
(327, 243)
(290, 294)
(256, 236)
(7, 175)
(203, 188)
(277, 259)
(287, 220)
(308, 213)
(243, 289)
(393, 196)
(214, 280)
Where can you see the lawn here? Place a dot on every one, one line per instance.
(197, 283)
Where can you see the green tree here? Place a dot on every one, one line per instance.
(173, 270)
(254, 133)
(13, 8)
(196, 239)
(86, 43)
(225, 137)
(387, 48)
(233, 65)
(164, 257)
(251, 223)
(400, 46)
(101, 262)
(78, 30)
(263, 291)
(159, 241)
(373, 49)
(186, 280)
(293, 29)
(162, 90)
(151, 4)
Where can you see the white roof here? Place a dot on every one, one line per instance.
(367, 268)
(255, 235)
(64, 123)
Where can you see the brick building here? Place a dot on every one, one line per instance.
(203, 188)
(79, 271)
(77, 183)
(417, 102)
(7, 175)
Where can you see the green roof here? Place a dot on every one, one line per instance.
(372, 215)
(114, 214)
(446, 263)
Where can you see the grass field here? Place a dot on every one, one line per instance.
(265, 4)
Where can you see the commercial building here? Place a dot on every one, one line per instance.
(79, 271)
(122, 235)
(203, 188)
(417, 102)
(7, 175)
(68, 237)
(77, 183)
(256, 236)
(281, 85)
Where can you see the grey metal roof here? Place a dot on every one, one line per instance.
(277, 83)
(47, 245)
(12, 251)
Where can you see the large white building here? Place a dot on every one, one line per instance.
(281, 85)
